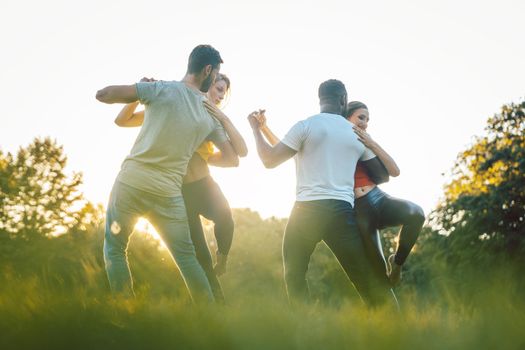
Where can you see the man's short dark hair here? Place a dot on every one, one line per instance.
(332, 90)
(201, 56)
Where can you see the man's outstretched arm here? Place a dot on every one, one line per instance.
(118, 94)
(270, 156)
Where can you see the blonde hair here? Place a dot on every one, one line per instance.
(224, 77)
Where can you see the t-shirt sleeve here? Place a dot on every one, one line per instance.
(296, 136)
(218, 135)
(148, 91)
(367, 155)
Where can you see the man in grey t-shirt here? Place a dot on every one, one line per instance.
(326, 151)
(149, 182)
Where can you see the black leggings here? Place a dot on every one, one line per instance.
(377, 210)
(204, 197)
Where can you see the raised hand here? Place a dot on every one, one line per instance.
(214, 111)
(261, 118)
(364, 137)
(253, 120)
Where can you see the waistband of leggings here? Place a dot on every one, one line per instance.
(200, 182)
(375, 191)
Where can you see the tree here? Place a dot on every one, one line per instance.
(484, 205)
(37, 198)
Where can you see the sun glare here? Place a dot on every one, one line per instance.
(143, 226)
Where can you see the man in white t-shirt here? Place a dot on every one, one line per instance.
(326, 151)
(149, 182)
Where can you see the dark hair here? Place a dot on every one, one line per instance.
(331, 90)
(201, 56)
(353, 106)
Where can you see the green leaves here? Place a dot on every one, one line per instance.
(38, 199)
(487, 190)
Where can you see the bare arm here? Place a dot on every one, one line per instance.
(226, 157)
(127, 117)
(271, 156)
(384, 157)
(268, 134)
(236, 139)
(118, 94)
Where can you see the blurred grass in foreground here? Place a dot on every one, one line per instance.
(54, 295)
(32, 317)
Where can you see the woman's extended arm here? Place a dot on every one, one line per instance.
(268, 134)
(384, 157)
(226, 157)
(237, 141)
(127, 116)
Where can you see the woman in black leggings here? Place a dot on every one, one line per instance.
(376, 209)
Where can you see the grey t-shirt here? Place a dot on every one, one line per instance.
(175, 124)
(327, 153)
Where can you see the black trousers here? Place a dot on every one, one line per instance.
(333, 222)
(204, 197)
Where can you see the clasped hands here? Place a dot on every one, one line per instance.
(257, 119)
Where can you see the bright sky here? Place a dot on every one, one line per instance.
(431, 73)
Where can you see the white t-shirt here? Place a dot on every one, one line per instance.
(327, 153)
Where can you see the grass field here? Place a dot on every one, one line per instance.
(54, 295)
(38, 314)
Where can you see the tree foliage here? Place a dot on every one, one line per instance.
(37, 197)
(484, 205)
